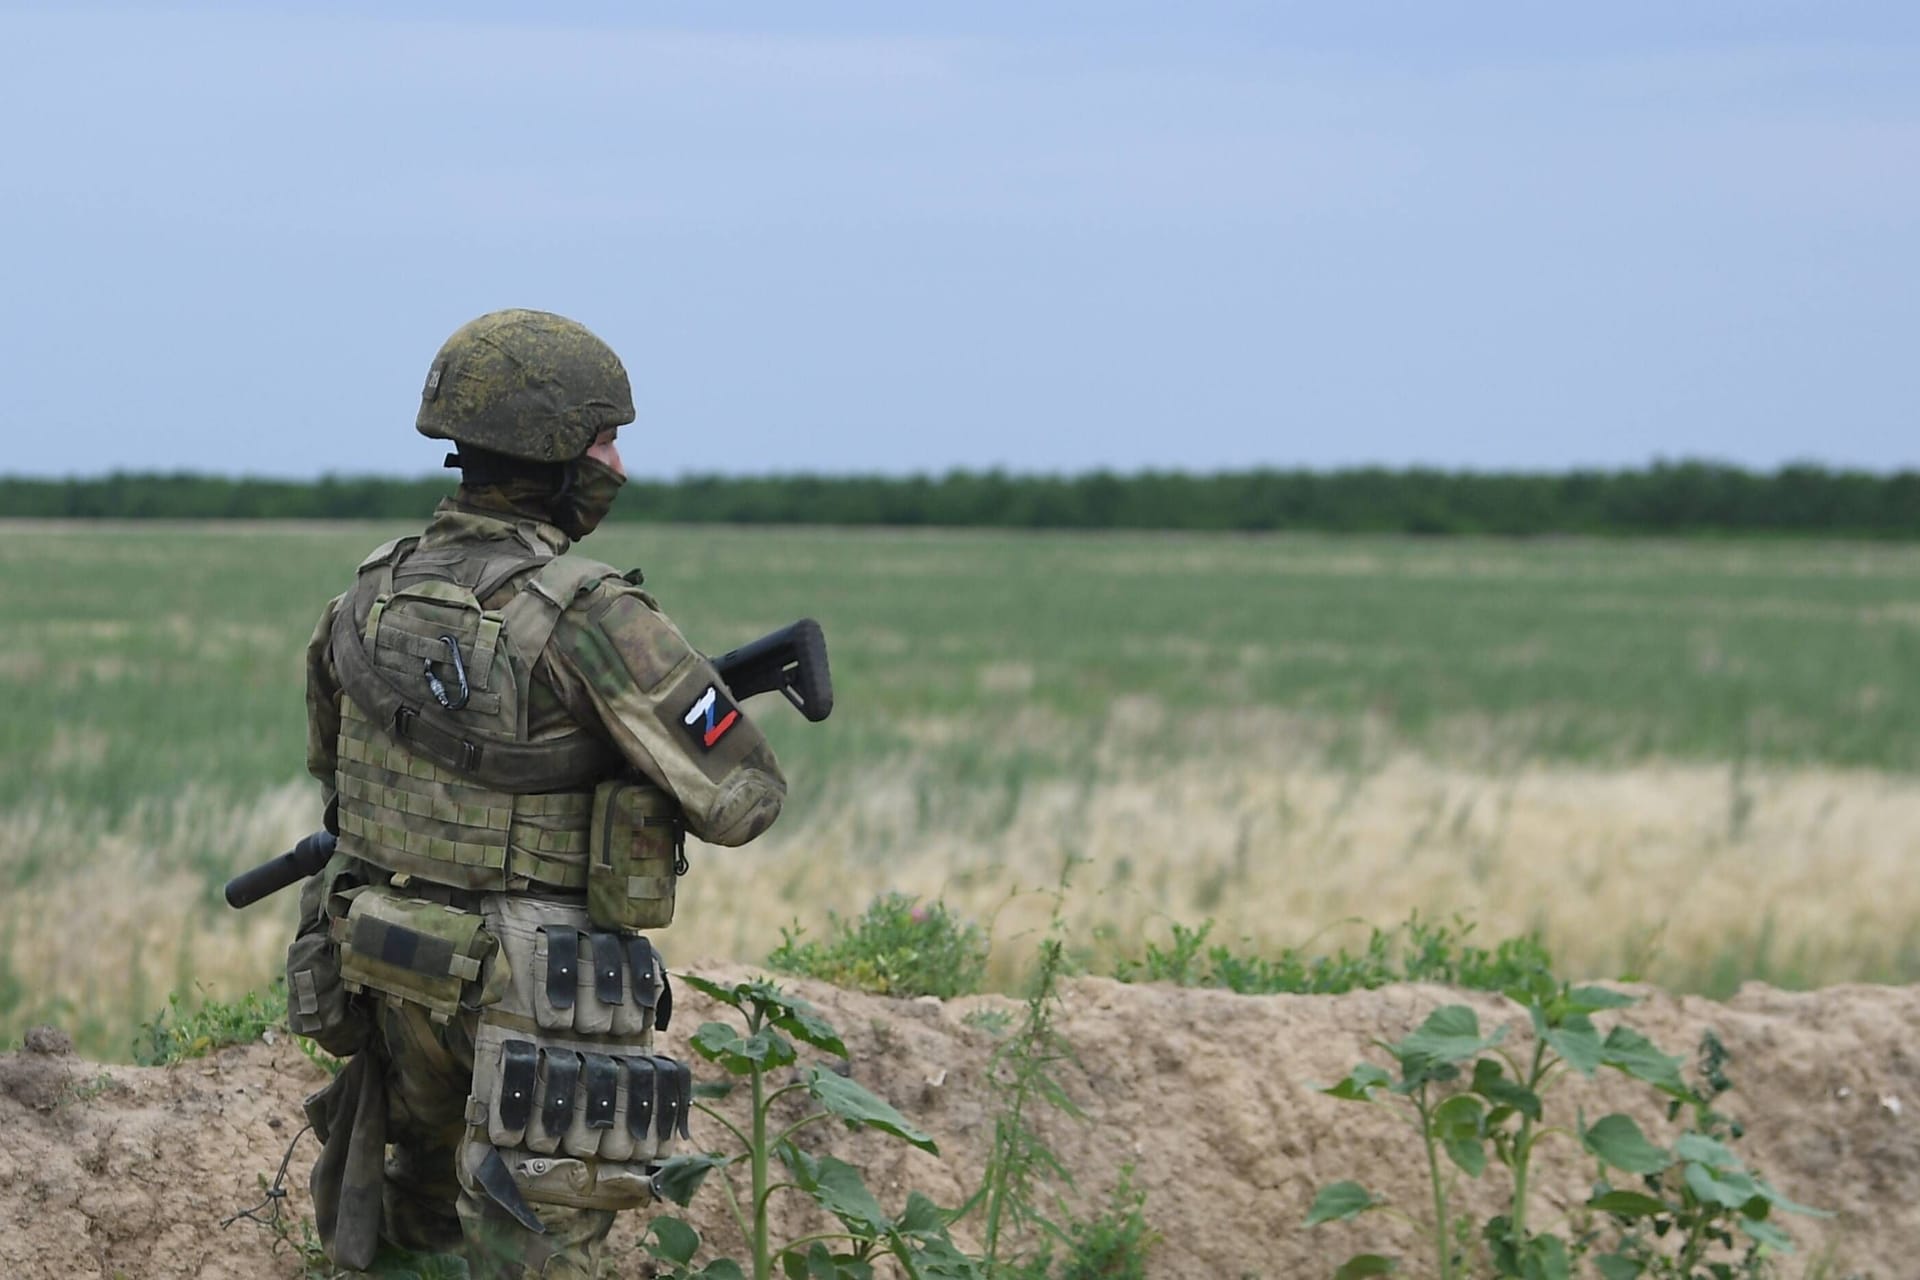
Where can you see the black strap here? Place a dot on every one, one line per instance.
(498, 1183)
(606, 968)
(666, 1110)
(643, 962)
(683, 1096)
(563, 958)
(518, 1061)
(563, 1074)
(664, 1014)
(602, 1076)
(639, 1096)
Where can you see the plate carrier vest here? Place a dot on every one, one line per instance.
(435, 775)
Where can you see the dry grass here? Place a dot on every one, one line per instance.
(1690, 875)
(1694, 876)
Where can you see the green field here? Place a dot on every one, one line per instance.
(1693, 759)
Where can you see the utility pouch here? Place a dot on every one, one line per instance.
(636, 854)
(319, 1006)
(409, 949)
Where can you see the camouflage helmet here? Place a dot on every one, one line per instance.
(528, 384)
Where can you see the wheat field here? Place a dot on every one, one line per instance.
(1691, 762)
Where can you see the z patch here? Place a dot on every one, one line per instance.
(709, 718)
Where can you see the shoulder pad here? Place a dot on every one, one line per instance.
(386, 553)
(562, 578)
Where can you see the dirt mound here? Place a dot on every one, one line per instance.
(125, 1171)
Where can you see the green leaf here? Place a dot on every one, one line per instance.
(1341, 1201)
(677, 1242)
(1450, 1034)
(1361, 1265)
(940, 1259)
(857, 1106)
(1459, 1125)
(1491, 1083)
(734, 995)
(718, 1042)
(1629, 1051)
(1593, 1000)
(1575, 1040)
(1617, 1140)
(800, 1020)
(1701, 1149)
(1615, 1267)
(922, 1217)
(716, 1090)
(1767, 1233)
(721, 1269)
(1728, 1188)
(1779, 1201)
(1628, 1204)
(815, 1264)
(1359, 1083)
(681, 1176)
(837, 1187)
(769, 1050)
(1546, 1259)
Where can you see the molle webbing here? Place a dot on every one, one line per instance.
(501, 759)
(408, 814)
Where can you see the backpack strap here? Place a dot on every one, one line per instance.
(531, 616)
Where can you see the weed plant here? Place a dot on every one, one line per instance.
(1022, 1239)
(898, 946)
(1111, 1244)
(764, 1044)
(1689, 1211)
(177, 1032)
(1415, 950)
(1024, 1074)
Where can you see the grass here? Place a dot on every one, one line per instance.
(898, 946)
(1708, 742)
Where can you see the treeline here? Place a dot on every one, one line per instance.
(1666, 498)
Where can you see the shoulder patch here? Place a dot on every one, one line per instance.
(710, 717)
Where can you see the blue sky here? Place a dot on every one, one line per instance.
(889, 237)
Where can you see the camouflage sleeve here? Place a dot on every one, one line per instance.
(323, 703)
(618, 662)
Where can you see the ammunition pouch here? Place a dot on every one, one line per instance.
(567, 1090)
(636, 854)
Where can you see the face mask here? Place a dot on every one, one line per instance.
(589, 495)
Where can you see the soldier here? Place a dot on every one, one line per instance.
(511, 740)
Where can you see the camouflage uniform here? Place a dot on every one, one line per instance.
(614, 666)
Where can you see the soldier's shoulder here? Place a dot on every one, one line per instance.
(567, 581)
(387, 552)
(612, 618)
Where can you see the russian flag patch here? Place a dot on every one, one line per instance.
(709, 718)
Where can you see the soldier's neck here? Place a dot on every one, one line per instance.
(510, 502)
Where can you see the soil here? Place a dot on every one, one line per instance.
(128, 1171)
